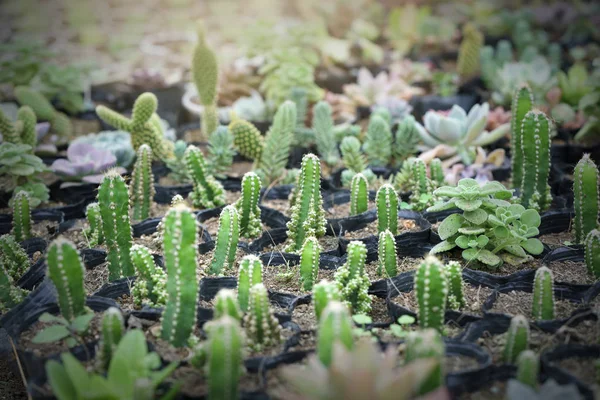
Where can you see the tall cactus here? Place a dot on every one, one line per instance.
(592, 252)
(378, 142)
(522, 103)
(468, 54)
(141, 187)
(335, 326)
(456, 299)
(309, 263)
(388, 261)
(247, 206)
(94, 232)
(66, 271)
(262, 328)
(150, 286)
(324, 292)
(387, 209)
(112, 331)
(542, 307)
(205, 71)
(226, 303)
(359, 194)
(528, 368)
(427, 343)
(227, 241)
(180, 253)
(352, 280)
(517, 338)
(586, 199)
(249, 274)
(431, 291)
(113, 200)
(21, 224)
(208, 192)
(323, 127)
(13, 257)
(246, 139)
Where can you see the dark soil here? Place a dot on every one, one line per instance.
(515, 302)
(404, 225)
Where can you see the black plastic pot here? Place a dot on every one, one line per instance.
(36, 272)
(36, 216)
(149, 226)
(73, 194)
(563, 352)
(275, 237)
(72, 211)
(382, 172)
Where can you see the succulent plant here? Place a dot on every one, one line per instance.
(398, 109)
(323, 128)
(427, 344)
(10, 294)
(227, 241)
(586, 197)
(359, 194)
(542, 306)
(431, 291)
(247, 206)
(406, 139)
(369, 89)
(94, 232)
(309, 263)
(468, 54)
(13, 258)
(21, 211)
(522, 103)
(208, 192)
(456, 299)
(20, 170)
(113, 329)
(324, 292)
(517, 339)
(378, 142)
(387, 257)
(528, 368)
(592, 252)
(141, 188)
(226, 304)
(220, 151)
(537, 73)
(335, 326)
(249, 274)
(117, 142)
(262, 328)
(251, 108)
(44, 111)
(85, 163)
(246, 138)
(150, 285)
(574, 84)
(354, 161)
(205, 71)
(23, 130)
(352, 280)
(386, 200)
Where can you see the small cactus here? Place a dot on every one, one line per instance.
(141, 187)
(309, 263)
(208, 192)
(522, 103)
(592, 253)
(406, 140)
(517, 339)
(456, 299)
(66, 271)
(246, 139)
(227, 241)
(249, 274)
(205, 71)
(353, 159)
(21, 224)
(150, 285)
(323, 128)
(262, 328)
(542, 307)
(528, 368)
(359, 194)
(420, 184)
(378, 142)
(387, 209)
(247, 206)
(10, 295)
(94, 232)
(113, 329)
(13, 257)
(28, 123)
(388, 261)
(335, 326)
(431, 291)
(226, 303)
(586, 197)
(468, 54)
(436, 172)
(427, 343)
(324, 292)
(352, 280)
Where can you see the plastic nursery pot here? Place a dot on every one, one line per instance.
(36, 216)
(550, 363)
(422, 104)
(164, 194)
(270, 217)
(276, 237)
(72, 194)
(342, 196)
(262, 364)
(485, 378)
(36, 272)
(570, 153)
(71, 211)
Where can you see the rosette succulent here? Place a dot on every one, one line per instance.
(117, 142)
(85, 163)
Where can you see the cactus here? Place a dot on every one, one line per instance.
(352, 280)
(113, 329)
(323, 127)
(388, 261)
(226, 303)
(522, 103)
(246, 138)
(262, 328)
(517, 339)
(387, 209)
(359, 194)
(542, 307)
(66, 271)
(436, 172)
(44, 111)
(309, 263)
(528, 368)
(427, 343)
(456, 299)
(592, 252)
(150, 286)
(113, 200)
(21, 224)
(420, 185)
(13, 257)
(28, 123)
(10, 295)
(208, 192)
(93, 232)
(406, 140)
(307, 215)
(142, 184)
(324, 292)
(468, 54)
(249, 274)
(378, 143)
(335, 326)
(8, 129)
(431, 291)
(247, 206)
(586, 197)
(227, 241)
(220, 152)
(180, 253)
(205, 71)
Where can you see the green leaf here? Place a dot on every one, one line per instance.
(476, 217)
(21, 170)
(482, 241)
(469, 254)
(531, 218)
(442, 247)
(501, 232)
(462, 241)
(442, 206)
(406, 320)
(398, 331)
(533, 246)
(488, 258)
(79, 376)
(468, 205)
(471, 231)
(71, 342)
(51, 334)
(515, 250)
(47, 317)
(362, 319)
(81, 323)
(516, 209)
(61, 384)
(449, 226)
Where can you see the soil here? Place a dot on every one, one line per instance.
(194, 381)
(585, 369)
(95, 278)
(516, 302)
(281, 205)
(405, 264)
(327, 243)
(205, 259)
(571, 272)
(404, 225)
(287, 279)
(11, 385)
(212, 226)
(560, 239)
(164, 349)
(343, 210)
(44, 229)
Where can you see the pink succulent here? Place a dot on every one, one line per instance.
(85, 163)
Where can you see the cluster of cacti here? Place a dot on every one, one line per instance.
(427, 343)
(592, 252)
(220, 151)
(431, 291)
(246, 138)
(542, 307)
(468, 54)
(387, 209)
(113, 201)
(112, 330)
(180, 254)
(66, 271)
(586, 199)
(94, 231)
(359, 194)
(406, 140)
(309, 263)
(144, 125)
(522, 103)
(456, 299)
(323, 293)
(141, 187)
(22, 130)
(388, 261)
(354, 160)
(262, 328)
(528, 368)
(249, 274)
(205, 71)
(21, 223)
(307, 214)
(335, 326)
(207, 192)
(150, 285)
(378, 142)
(12, 256)
(517, 339)
(227, 241)
(247, 206)
(226, 304)
(352, 280)
(44, 111)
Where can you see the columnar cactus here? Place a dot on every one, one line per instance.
(522, 103)
(112, 330)
(388, 262)
(431, 291)
(406, 140)
(420, 183)
(226, 303)
(10, 295)
(113, 199)
(141, 187)
(359, 194)
(592, 252)
(378, 143)
(249, 274)
(28, 123)
(180, 253)
(21, 224)
(517, 339)
(427, 343)
(352, 280)
(586, 199)
(528, 368)
(436, 172)
(8, 129)
(151, 282)
(227, 241)
(309, 263)
(13, 257)
(208, 192)
(324, 292)
(246, 138)
(247, 206)
(66, 271)
(205, 71)
(456, 299)
(307, 215)
(323, 127)
(335, 326)
(468, 54)
(543, 294)
(94, 232)
(262, 328)
(387, 209)
(43, 109)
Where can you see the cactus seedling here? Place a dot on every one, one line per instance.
(521, 105)
(208, 192)
(323, 128)
(431, 290)
(249, 274)
(359, 194)
(517, 338)
(353, 283)
(335, 326)
(113, 329)
(262, 328)
(592, 252)
(309, 263)
(247, 206)
(436, 172)
(227, 241)
(10, 295)
(150, 287)
(93, 232)
(324, 292)
(586, 197)
(44, 111)
(246, 139)
(378, 143)
(142, 184)
(456, 298)
(21, 216)
(388, 261)
(13, 257)
(427, 343)
(543, 294)
(226, 303)
(387, 209)
(528, 368)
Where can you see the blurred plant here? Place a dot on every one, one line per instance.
(177, 168)
(397, 108)
(65, 85)
(85, 163)
(21, 61)
(370, 89)
(411, 71)
(20, 170)
(481, 170)
(238, 79)
(342, 107)
(497, 117)
(574, 84)
(550, 390)
(117, 142)
(468, 55)
(220, 152)
(251, 108)
(445, 84)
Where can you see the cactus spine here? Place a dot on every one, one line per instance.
(522, 103)
(335, 325)
(180, 247)
(309, 263)
(205, 71)
(431, 291)
(226, 303)
(66, 271)
(388, 262)
(150, 287)
(517, 339)
(427, 343)
(378, 143)
(456, 298)
(142, 184)
(113, 328)
(387, 209)
(468, 54)
(592, 252)
(586, 198)
(93, 232)
(247, 206)
(359, 194)
(528, 368)
(246, 138)
(13, 257)
(543, 294)
(420, 183)
(249, 274)
(324, 292)
(113, 199)
(262, 328)
(208, 192)
(227, 241)
(21, 224)
(353, 283)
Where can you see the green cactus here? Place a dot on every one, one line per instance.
(227, 241)
(542, 307)
(468, 54)
(59, 122)
(431, 291)
(21, 224)
(180, 252)
(378, 143)
(528, 368)
(427, 343)
(586, 199)
(150, 286)
(420, 186)
(246, 138)
(323, 127)
(262, 328)
(522, 103)
(13, 257)
(307, 215)
(406, 140)
(113, 329)
(28, 122)
(208, 192)
(10, 295)
(113, 200)
(8, 129)
(592, 252)
(517, 339)
(436, 172)
(93, 232)
(324, 292)
(142, 184)
(387, 209)
(205, 72)
(388, 261)
(249, 274)
(66, 271)
(220, 152)
(335, 326)
(456, 299)
(354, 161)
(352, 280)
(226, 303)
(359, 194)
(303, 135)
(247, 206)
(309, 263)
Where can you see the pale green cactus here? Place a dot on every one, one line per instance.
(13, 257)
(586, 199)
(522, 103)
(456, 298)
(227, 241)
(226, 303)
(94, 232)
(208, 192)
(431, 292)
(592, 252)
(517, 339)
(528, 368)
(335, 326)
(150, 286)
(324, 292)
(427, 343)
(246, 138)
(542, 307)
(141, 188)
(247, 206)
(352, 280)
(359, 194)
(388, 261)
(387, 209)
(113, 329)
(323, 128)
(262, 328)
(205, 72)
(309, 263)
(249, 274)
(378, 143)
(21, 224)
